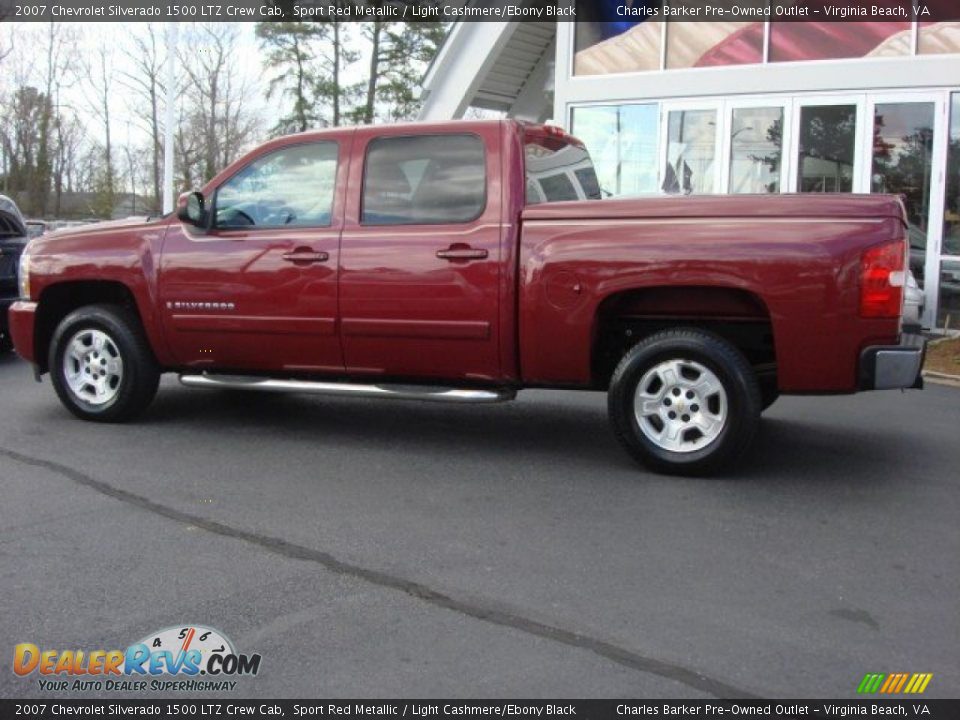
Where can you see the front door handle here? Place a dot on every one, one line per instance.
(460, 251)
(305, 256)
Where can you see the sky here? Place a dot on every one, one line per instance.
(127, 125)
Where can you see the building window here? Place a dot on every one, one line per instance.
(827, 148)
(700, 44)
(793, 41)
(756, 149)
(424, 179)
(902, 164)
(622, 140)
(691, 151)
(949, 306)
(935, 38)
(607, 43)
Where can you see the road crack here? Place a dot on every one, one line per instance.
(473, 609)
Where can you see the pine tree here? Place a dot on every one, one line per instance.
(308, 60)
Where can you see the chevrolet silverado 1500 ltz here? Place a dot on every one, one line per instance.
(462, 262)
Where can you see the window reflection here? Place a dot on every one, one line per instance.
(292, 186)
(902, 157)
(691, 146)
(709, 44)
(424, 179)
(951, 216)
(622, 140)
(813, 40)
(827, 134)
(756, 147)
(949, 306)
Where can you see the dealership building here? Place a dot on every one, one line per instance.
(753, 106)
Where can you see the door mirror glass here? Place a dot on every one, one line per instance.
(192, 209)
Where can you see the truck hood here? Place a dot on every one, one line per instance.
(99, 227)
(50, 240)
(828, 205)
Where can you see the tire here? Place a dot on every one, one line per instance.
(6, 343)
(769, 394)
(708, 386)
(101, 364)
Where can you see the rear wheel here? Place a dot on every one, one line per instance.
(101, 365)
(769, 394)
(684, 402)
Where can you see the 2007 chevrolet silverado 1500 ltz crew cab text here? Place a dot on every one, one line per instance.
(462, 262)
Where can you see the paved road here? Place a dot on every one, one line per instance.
(404, 549)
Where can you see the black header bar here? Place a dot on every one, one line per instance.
(916, 708)
(478, 10)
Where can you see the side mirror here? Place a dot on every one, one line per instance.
(192, 209)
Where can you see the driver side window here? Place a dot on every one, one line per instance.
(290, 187)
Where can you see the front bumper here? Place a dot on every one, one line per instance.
(21, 317)
(887, 367)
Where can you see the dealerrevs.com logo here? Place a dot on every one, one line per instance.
(184, 658)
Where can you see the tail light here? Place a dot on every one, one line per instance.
(882, 278)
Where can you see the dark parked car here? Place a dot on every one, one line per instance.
(13, 238)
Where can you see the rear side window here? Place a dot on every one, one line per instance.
(292, 186)
(424, 179)
(558, 187)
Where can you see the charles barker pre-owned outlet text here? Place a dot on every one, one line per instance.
(717, 12)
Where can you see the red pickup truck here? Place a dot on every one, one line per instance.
(464, 261)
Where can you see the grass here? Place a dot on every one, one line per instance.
(944, 357)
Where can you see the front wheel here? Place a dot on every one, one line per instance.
(684, 402)
(101, 365)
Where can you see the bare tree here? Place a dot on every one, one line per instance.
(142, 76)
(100, 79)
(215, 96)
(6, 43)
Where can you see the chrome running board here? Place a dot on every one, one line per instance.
(398, 392)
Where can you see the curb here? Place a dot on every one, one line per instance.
(942, 378)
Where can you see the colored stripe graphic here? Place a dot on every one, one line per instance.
(893, 683)
(870, 683)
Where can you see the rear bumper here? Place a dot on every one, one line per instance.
(887, 367)
(21, 317)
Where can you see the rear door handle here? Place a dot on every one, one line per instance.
(305, 256)
(462, 252)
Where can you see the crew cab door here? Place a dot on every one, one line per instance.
(420, 255)
(258, 290)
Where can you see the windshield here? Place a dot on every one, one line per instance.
(558, 170)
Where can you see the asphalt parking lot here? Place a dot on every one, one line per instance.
(395, 549)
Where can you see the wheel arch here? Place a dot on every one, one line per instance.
(739, 315)
(58, 300)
